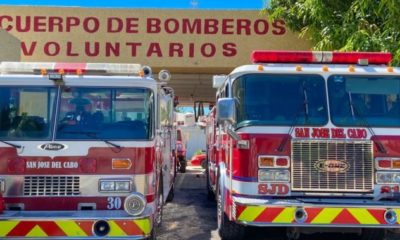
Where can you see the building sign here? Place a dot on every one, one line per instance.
(173, 39)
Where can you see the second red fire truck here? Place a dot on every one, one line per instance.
(309, 141)
(85, 150)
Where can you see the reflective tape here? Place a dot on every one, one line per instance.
(315, 215)
(72, 228)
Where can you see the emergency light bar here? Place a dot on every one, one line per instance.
(71, 68)
(266, 56)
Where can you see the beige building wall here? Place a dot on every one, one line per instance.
(184, 41)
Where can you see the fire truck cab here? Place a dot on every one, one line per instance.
(309, 141)
(85, 150)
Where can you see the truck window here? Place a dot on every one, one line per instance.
(105, 113)
(25, 112)
(268, 99)
(364, 100)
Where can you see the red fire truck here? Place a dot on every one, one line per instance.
(85, 150)
(309, 141)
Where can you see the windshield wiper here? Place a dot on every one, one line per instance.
(305, 103)
(302, 107)
(93, 135)
(356, 113)
(11, 144)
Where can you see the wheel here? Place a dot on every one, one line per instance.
(227, 229)
(373, 234)
(204, 164)
(153, 235)
(171, 194)
(182, 165)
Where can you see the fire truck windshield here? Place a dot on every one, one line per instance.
(280, 99)
(108, 113)
(364, 100)
(26, 112)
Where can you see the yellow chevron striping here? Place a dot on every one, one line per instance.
(36, 232)
(327, 215)
(250, 213)
(363, 216)
(6, 227)
(71, 228)
(144, 224)
(115, 230)
(397, 211)
(286, 216)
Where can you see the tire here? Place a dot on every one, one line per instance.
(153, 235)
(227, 230)
(373, 234)
(171, 194)
(182, 165)
(204, 164)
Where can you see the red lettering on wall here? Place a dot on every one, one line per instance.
(210, 26)
(113, 49)
(191, 49)
(153, 25)
(26, 27)
(91, 24)
(26, 51)
(115, 25)
(228, 26)
(95, 51)
(176, 48)
(279, 27)
(208, 50)
(55, 22)
(132, 25)
(243, 25)
(69, 50)
(261, 26)
(154, 48)
(5, 22)
(133, 46)
(52, 49)
(229, 49)
(72, 22)
(191, 27)
(39, 24)
(171, 25)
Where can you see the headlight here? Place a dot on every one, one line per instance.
(2, 185)
(388, 177)
(114, 185)
(122, 186)
(269, 175)
(135, 204)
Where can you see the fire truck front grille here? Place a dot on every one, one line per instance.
(332, 166)
(51, 186)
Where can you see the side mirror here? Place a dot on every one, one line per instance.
(226, 110)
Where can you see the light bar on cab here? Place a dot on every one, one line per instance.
(266, 56)
(72, 68)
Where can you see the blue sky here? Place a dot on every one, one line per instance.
(174, 4)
